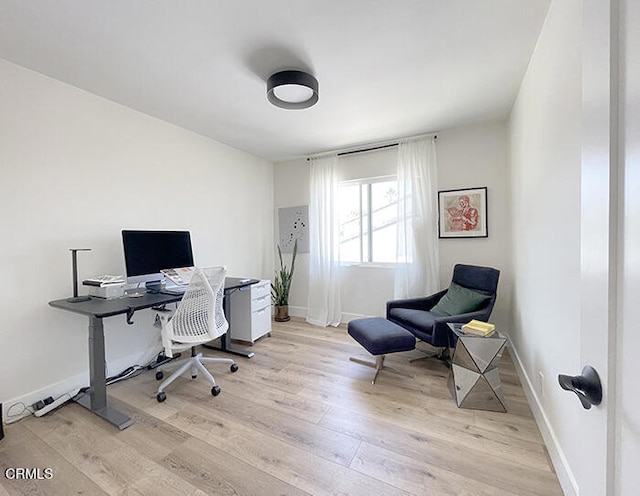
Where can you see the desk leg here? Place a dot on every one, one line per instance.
(95, 399)
(225, 340)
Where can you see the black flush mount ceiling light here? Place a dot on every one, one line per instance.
(292, 90)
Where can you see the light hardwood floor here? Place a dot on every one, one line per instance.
(298, 418)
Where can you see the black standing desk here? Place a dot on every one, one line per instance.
(95, 398)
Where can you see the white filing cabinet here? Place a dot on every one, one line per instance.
(251, 312)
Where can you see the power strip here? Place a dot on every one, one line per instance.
(52, 406)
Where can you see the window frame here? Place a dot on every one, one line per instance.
(367, 181)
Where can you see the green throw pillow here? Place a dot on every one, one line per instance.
(458, 300)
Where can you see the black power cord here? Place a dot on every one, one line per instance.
(125, 374)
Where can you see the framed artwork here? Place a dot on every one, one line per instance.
(462, 213)
(294, 226)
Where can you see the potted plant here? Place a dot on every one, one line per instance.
(281, 285)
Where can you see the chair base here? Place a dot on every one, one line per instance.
(442, 354)
(194, 364)
(161, 359)
(379, 365)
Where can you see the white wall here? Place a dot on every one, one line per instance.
(467, 157)
(477, 156)
(291, 189)
(77, 169)
(545, 140)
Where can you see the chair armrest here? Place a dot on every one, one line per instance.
(422, 303)
(462, 318)
(442, 334)
(441, 331)
(162, 316)
(163, 320)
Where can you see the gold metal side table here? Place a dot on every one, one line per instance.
(474, 380)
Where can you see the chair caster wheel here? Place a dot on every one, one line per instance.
(161, 397)
(159, 375)
(215, 390)
(234, 367)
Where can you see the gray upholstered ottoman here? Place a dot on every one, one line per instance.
(379, 337)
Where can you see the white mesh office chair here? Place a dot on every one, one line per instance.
(198, 319)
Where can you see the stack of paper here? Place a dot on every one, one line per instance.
(478, 328)
(102, 281)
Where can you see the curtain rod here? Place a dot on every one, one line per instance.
(372, 147)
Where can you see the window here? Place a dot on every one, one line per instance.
(368, 220)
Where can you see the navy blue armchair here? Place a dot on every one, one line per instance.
(472, 295)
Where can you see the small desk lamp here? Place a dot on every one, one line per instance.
(74, 268)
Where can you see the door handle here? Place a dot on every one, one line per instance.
(587, 386)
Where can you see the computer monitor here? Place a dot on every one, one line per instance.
(146, 253)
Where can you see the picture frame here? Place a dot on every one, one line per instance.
(462, 213)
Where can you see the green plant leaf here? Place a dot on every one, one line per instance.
(281, 285)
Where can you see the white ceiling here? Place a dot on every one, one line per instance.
(387, 69)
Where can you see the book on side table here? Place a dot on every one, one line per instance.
(478, 328)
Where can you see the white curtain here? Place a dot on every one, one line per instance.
(323, 306)
(417, 265)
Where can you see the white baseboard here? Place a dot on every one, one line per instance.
(298, 311)
(344, 318)
(347, 317)
(559, 460)
(15, 409)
